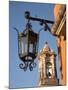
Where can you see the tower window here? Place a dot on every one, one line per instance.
(48, 70)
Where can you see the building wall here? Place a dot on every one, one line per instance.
(60, 31)
(62, 59)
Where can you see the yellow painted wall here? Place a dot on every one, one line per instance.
(61, 43)
(63, 56)
(56, 10)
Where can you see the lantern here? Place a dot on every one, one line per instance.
(27, 47)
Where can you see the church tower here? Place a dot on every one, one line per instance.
(47, 66)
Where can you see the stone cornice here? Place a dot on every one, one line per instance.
(59, 19)
(61, 24)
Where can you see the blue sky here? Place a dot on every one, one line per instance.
(19, 78)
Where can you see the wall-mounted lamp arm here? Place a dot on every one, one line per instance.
(40, 20)
(27, 16)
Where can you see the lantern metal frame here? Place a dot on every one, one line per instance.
(30, 62)
(32, 38)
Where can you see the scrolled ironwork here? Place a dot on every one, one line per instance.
(23, 66)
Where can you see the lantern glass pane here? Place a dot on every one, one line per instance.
(20, 50)
(24, 44)
(31, 48)
(35, 48)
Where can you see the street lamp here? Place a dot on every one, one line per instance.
(28, 42)
(27, 47)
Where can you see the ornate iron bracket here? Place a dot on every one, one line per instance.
(42, 22)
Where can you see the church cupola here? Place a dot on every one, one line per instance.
(47, 66)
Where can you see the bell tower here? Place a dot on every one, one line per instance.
(47, 67)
